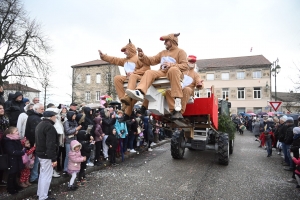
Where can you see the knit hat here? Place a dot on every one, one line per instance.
(131, 48)
(289, 120)
(192, 59)
(25, 100)
(173, 37)
(296, 130)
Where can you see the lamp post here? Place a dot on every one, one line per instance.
(275, 69)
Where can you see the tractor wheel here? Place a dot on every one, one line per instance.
(223, 149)
(177, 144)
(231, 145)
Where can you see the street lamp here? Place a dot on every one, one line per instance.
(275, 69)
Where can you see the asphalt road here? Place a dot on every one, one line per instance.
(155, 175)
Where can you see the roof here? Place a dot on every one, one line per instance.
(257, 60)
(19, 87)
(287, 96)
(91, 63)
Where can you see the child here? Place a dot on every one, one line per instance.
(112, 143)
(75, 159)
(25, 173)
(87, 146)
(98, 139)
(15, 151)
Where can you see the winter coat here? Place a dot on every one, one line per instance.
(270, 125)
(88, 121)
(297, 162)
(14, 150)
(70, 127)
(98, 129)
(288, 139)
(46, 140)
(108, 124)
(75, 157)
(131, 127)
(295, 147)
(121, 128)
(282, 132)
(8, 102)
(255, 129)
(33, 120)
(2, 101)
(84, 140)
(4, 124)
(113, 141)
(14, 109)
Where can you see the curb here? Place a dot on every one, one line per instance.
(31, 190)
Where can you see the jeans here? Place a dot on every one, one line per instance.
(34, 173)
(67, 146)
(284, 149)
(125, 143)
(131, 138)
(269, 147)
(289, 156)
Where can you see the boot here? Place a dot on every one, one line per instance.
(126, 100)
(176, 115)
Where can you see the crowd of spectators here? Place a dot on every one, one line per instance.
(57, 138)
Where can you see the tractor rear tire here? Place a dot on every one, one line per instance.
(223, 149)
(231, 145)
(177, 145)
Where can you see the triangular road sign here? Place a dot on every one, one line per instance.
(275, 104)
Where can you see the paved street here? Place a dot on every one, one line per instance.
(155, 175)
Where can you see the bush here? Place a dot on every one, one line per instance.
(226, 126)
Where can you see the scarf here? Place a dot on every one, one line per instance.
(13, 137)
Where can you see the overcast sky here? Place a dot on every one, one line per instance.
(208, 29)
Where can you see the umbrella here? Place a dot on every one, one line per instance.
(93, 105)
(270, 114)
(262, 113)
(106, 97)
(252, 114)
(112, 103)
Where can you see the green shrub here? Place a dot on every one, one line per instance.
(226, 126)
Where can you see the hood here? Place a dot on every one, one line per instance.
(102, 113)
(173, 37)
(70, 114)
(30, 112)
(18, 94)
(82, 136)
(10, 96)
(86, 111)
(97, 120)
(131, 48)
(79, 118)
(73, 144)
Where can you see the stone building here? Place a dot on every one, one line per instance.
(27, 92)
(290, 101)
(90, 80)
(244, 80)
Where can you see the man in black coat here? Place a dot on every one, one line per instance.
(14, 108)
(288, 140)
(46, 151)
(34, 118)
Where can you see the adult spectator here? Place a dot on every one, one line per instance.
(46, 147)
(9, 98)
(34, 118)
(281, 135)
(73, 107)
(2, 101)
(35, 100)
(288, 140)
(22, 120)
(4, 124)
(14, 108)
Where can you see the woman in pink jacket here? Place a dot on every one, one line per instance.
(75, 159)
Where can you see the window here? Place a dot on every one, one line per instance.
(257, 74)
(240, 75)
(241, 93)
(257, 93)
(210, 77)
(98, 78)
(98, 94)
(88, 78)
(208, 92)
(225, 93)
(225, 76)
(241, 110)
(108, 77)
(88, 95)
(197, 94)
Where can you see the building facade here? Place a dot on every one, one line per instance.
(290, 102)
(90, 80)
(27, 92)
(245, 81)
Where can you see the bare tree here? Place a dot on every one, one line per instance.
(22, 44)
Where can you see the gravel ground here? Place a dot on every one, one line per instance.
(155, 175)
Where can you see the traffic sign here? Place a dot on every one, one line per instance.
(275, 104)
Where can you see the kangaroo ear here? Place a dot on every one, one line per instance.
(176, 34)
(129, 41)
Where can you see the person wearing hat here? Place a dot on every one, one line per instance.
(187, 91)
(73, 107)
(288, 140)
(134, 70)
(46, 146)
(172, 63)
